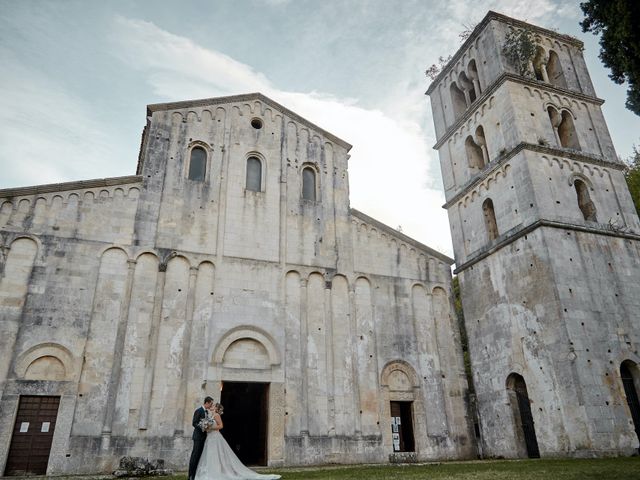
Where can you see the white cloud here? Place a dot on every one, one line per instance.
(46, 134)
(389, 160)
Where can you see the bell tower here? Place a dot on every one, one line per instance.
(546, 242)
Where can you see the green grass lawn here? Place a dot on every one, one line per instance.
(564, 469)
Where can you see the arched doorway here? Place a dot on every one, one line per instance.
(246, 368)
(523, 419)
(627, 370)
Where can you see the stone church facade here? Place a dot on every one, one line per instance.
(547, 247)
(232, 265)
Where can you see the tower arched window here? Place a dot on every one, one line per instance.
(474, 77)
(586, 205)
(567, 132)
(490, 219)
(469, 89)
(458, 100)
(474, 153)
(254, 174)
(197, 164)
(309, 183)
(564, 128)
(554, 71)
(540, 64)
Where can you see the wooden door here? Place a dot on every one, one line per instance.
(32, 435)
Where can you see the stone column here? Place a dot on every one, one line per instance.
(183, 415)
(150, 358)
(116, 365)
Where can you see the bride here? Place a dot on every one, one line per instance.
(218, 462)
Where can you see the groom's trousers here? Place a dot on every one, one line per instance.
(196, 453)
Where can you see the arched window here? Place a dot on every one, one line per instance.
(197, 164)
(475, 78)
(474, 153)
(586, 205)
(554, 71)
(539, 65)
(522, 417)
(308, 183)
(564, 128)
(490, 219)
(458, 100)
(469, 90)
(254, 174)
(567, 132)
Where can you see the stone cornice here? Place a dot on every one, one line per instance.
(497, 84)
(156, 107)
(555, 151)
(400, 236)
(66, 186)
(518, 232)
(491, 15)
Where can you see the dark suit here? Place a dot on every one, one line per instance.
(198, 442)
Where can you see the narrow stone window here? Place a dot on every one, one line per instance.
(308, 183)
(254, 174)
(554, 71)
(586, 205)
(490, 219)
(197, 164)
(458, 100)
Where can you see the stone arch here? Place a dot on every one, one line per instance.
(397, 370)
(46, 361)
(251, 333)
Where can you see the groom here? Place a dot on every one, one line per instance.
(198, 436)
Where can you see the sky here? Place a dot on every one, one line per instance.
(77, 76)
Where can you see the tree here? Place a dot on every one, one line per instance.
(519, 48)
(632, 176)
(619, 23)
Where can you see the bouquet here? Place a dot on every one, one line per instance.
(207, 423)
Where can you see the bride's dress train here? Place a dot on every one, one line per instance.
(219, 462)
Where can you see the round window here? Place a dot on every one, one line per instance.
(256, 123)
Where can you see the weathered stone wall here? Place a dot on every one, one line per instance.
(133, 298)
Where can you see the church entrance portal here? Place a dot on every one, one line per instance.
(402, 427)
(245, 420)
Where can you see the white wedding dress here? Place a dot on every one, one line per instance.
(219, 462)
